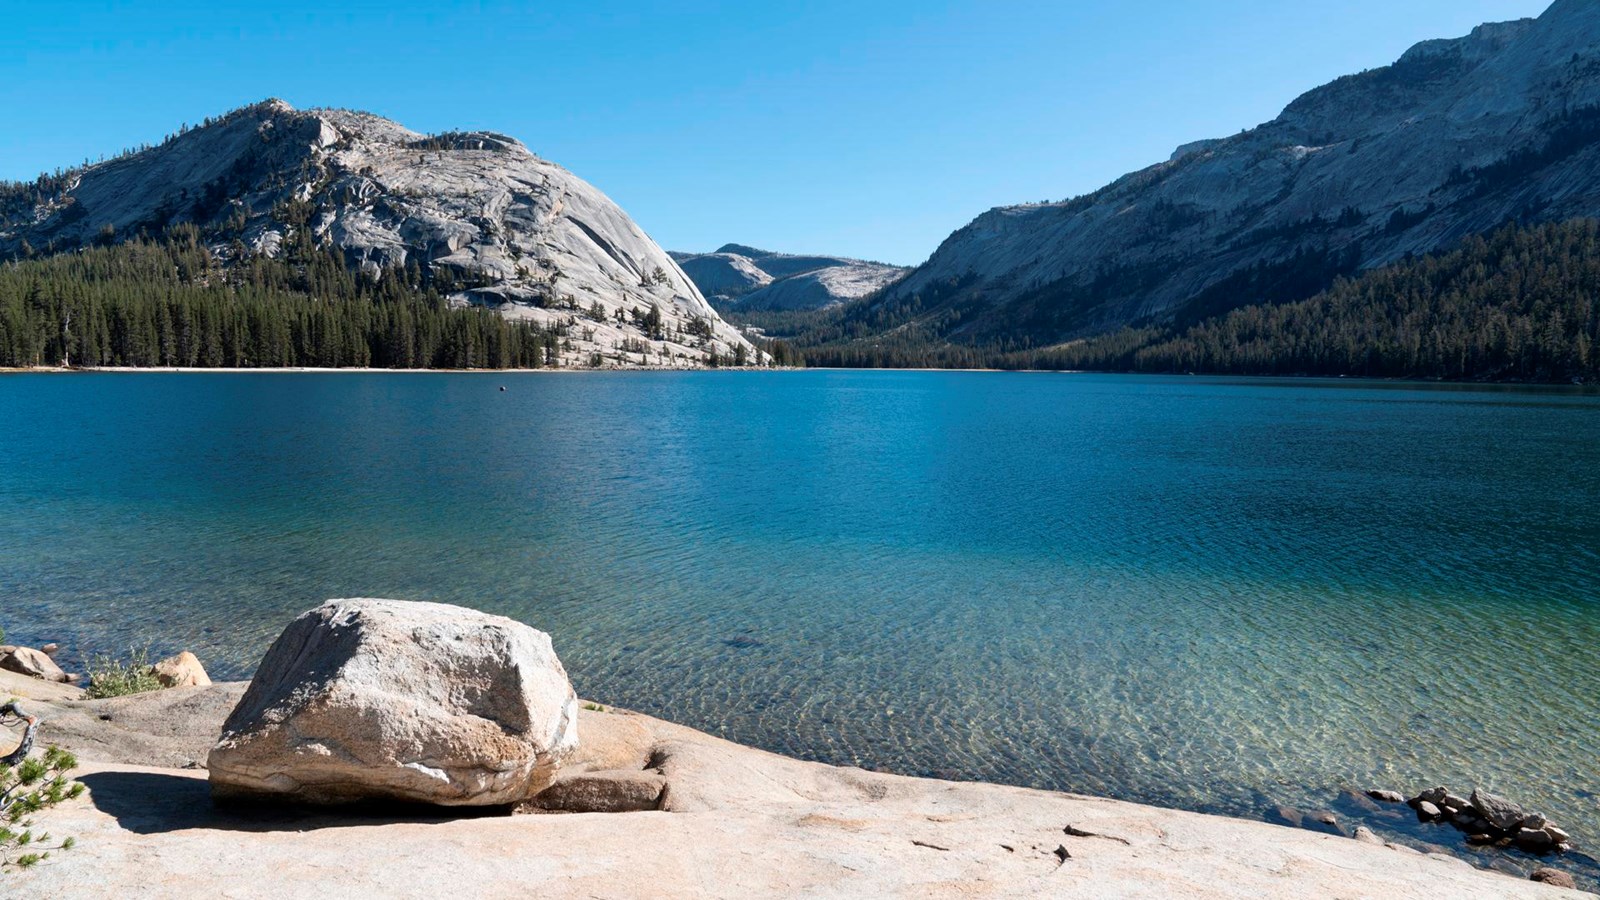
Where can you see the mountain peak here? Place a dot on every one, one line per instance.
(474, 212)
(1457, 137)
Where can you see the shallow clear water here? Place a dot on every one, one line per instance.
(1212, 594)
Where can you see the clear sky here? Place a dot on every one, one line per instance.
(870, 127)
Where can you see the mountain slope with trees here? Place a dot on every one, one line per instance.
(172, 302)
(1521, 304)
(1457, 138)
(473, 216)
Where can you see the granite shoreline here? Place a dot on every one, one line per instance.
(744, 823)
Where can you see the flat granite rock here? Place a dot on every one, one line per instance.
(741, 823)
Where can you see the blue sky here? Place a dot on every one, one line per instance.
(865, 128)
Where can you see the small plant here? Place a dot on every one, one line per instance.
(109, 677)
(594, 707)
(28, 787)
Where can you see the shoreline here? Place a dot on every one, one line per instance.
(740, 822)
(369, 370)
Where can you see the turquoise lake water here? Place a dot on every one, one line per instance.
(1214, 594)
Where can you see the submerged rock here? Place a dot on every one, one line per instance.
(1285, 815)
(384, 700)
(1554, 878)
(1386, 796)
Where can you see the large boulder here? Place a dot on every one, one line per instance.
(389, 701)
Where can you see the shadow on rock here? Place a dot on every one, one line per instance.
(157, 803)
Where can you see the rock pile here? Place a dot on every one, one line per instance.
(1486, 819)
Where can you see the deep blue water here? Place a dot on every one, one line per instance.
(1216, 594)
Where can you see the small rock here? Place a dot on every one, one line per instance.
(32, 663)
(1558, 835)
(1366, 836)
(183, 670)
(1387, 796)
(603, 792)
(1480, 838)
(1456, 800)
(1554, 878)
(1501, 813)
(1426, 810)
(1285, 815)
(1359, 801)
(1324, 821)
(1535, 841)
(50, 649)
(1535, 821)
(1435, 796)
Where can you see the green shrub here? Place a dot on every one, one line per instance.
(109, 677)
(35, 785)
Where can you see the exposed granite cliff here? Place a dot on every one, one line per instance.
(748, 279)
(498, 225)
(1456, 138)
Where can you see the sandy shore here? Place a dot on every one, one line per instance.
(736, 822)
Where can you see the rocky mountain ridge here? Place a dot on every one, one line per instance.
(475, 214)
(749, 279)
(1456, 138)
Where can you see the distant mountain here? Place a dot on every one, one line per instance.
(475, 215)
(1457, 138)
(748, 279)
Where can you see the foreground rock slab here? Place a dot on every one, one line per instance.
(362, 701)
(732, 822)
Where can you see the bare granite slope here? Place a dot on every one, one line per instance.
(503, 227)
(730, 822)
(753, 280)
(1456, 138)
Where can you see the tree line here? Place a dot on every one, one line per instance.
(171, 302)
(1520, 304)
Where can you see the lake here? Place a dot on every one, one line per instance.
(1213, 594)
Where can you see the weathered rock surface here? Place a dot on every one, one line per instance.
(183, 670)
(1456, 138)
(736, 823)
(615, 791)
(32, 663)
(1554, 878)
(1501, 813)
(384, 700)
(501, 226)
(752, 280)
